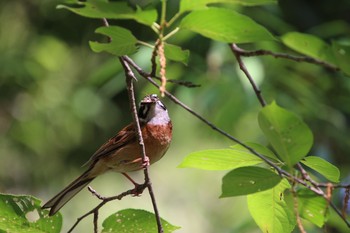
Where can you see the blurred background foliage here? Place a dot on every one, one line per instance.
(59, 102)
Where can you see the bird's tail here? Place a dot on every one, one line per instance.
(58, 201)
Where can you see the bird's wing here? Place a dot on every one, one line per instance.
(124, 136)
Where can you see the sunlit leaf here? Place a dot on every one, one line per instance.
(188, 5)
(323, 167)
(225, 25)
(122, 41)
(270, 211)
(288, 134)
(248, 180)
(263, 150)
(134, 220)
(309, 45)
(176, 53)
(24, 214)
(220, 159)
(312, 207)
(111, 10)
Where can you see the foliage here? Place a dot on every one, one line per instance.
(132, 220)
(24, 214)
(192, 39)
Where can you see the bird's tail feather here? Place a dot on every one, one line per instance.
(58, 201)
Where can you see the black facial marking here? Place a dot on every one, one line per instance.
(143, 111)
(161, 105)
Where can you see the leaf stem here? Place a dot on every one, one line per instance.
(145, 44)
(170, 34)
(174, 18)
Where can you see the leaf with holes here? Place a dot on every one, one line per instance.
(111, 10)
(288, 134)
(225, 25)
(24, 214)
(134, 220)
(248, 180)
(122, 41)
(270, 211)
(312, 207)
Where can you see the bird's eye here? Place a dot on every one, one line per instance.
(154, 96)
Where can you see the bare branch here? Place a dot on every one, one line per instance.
(129, 81)
(236, 51)
(103, 202)
(310, 60)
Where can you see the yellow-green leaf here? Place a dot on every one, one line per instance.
(122, 41)
(225, 25)
(270, 211)
(323, 167)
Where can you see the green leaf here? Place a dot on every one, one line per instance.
(269, 210)
(24, 214)
(225, 25)
(247, 180)
(309, 45)
(289, 135)
(134, 220)
(312, 207)
(263, 150)
(323, 167)
(188, 5)
(220, 159)
(111, 10)
(176, 53)
(342, 55)
(122, 41)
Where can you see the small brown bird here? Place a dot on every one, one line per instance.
(121, 153)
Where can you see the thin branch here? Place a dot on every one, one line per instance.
(296, 210)
(104, 201)
(129, 81)
(311, 60)
(236, 51)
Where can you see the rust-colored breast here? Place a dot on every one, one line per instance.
(157, 139)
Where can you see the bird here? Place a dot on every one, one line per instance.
(122, 153)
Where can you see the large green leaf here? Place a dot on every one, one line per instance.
(122, 41)
(225, 25)
(323, 167)
(248, 180)
(287, 133)
(342, 55)
(189, 5)
(309, 45)
(312, 207)
(134, 220)
(111, 10)
(270, 211)
(175, 53)
(220, 159)
(24, 214)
